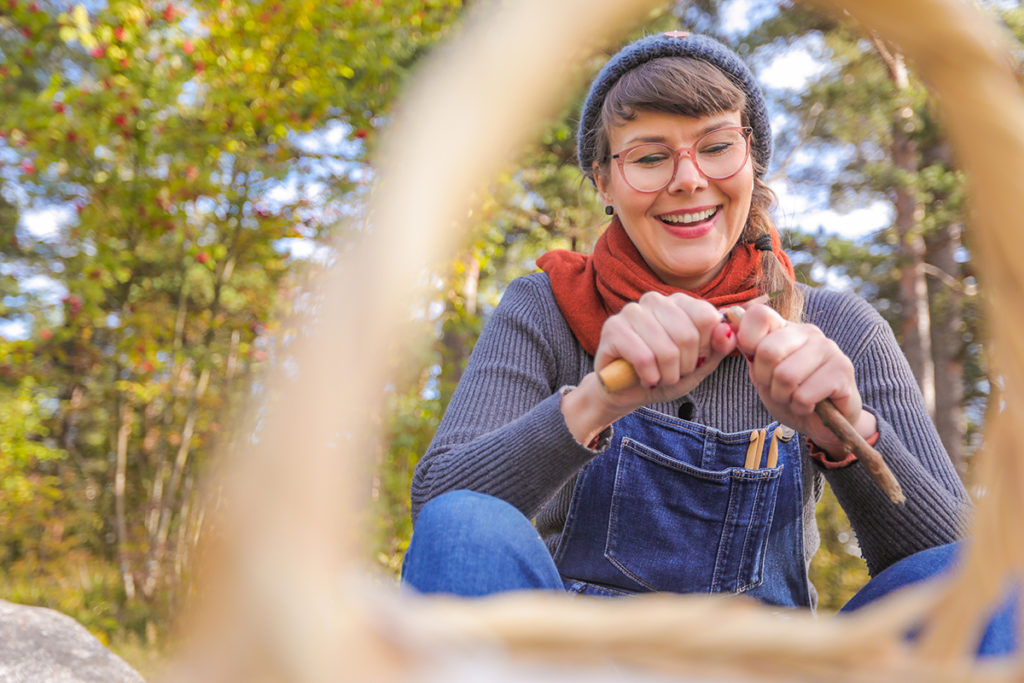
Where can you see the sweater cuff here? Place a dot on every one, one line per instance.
(825, 461)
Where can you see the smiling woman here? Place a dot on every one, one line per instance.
(720, 440)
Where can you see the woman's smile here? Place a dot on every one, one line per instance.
(690, 216)
(690, 223)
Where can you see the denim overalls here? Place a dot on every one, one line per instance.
(669, 506)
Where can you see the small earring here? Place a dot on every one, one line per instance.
(609, 210)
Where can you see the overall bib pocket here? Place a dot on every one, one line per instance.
(674, 526)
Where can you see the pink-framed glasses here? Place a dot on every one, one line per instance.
(718, 155)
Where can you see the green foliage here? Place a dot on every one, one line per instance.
(188, 148)
(46, 526)
(837, 570)
(414, 415)
(35, 524)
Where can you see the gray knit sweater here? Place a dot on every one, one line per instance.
(503, 432)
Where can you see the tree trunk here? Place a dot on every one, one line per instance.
(946, 295)
(171, 502)
(915, 326)
(124, 431)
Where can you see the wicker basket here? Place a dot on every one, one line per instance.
(273, 607)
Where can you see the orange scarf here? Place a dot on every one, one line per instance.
(589, 289)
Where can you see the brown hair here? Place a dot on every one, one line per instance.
(692, 87)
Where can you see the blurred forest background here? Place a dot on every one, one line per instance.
(173, 173)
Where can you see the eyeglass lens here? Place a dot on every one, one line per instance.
(719, 154)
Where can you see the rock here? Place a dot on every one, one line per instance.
(39, 645)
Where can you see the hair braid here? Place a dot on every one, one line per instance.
(774, 278)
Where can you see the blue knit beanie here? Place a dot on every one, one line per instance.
(676, 44)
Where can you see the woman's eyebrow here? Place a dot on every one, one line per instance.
(713, 125)
(646, 138)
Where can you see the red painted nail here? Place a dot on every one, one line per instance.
(728, 333)
(701, 361)
(652, 387)
(750, 357)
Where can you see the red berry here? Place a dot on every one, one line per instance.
(188, 47)
(28, 167)
(72, 301)
(202, 257)
(59, 107)
(98, 51)
(119, 33)
(361, 133)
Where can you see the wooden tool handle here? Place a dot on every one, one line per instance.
(865, 453)
(618, 375)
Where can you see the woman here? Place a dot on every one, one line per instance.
(704, 477)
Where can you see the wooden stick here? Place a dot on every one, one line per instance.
(855, 443)
(773, 450)
(753, 452)
(619, 375)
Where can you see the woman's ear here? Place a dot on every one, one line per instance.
(601, 182)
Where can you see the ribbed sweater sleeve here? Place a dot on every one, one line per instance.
(937, 504)
(503, 432)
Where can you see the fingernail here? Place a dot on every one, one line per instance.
(750, 357)
(652, 387)
(700, 361)
(728, 333)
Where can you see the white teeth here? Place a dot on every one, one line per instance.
(695, 217)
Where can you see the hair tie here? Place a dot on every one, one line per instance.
(763, 242)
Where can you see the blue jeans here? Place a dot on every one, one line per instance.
(471, 544)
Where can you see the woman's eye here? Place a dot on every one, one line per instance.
(649, 159)
(717, 148)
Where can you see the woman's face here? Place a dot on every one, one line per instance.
(686, 231)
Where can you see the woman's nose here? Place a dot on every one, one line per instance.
(687, 177)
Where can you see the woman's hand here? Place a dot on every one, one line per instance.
(794, 366)
(673, 342)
